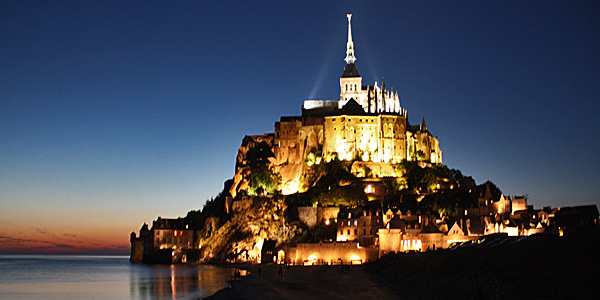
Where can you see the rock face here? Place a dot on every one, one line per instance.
(256, 149)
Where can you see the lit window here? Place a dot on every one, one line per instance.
(355, 223)
(348, 223)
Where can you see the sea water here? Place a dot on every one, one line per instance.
(104, 277)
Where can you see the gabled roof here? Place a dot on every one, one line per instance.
(457, 228)
(430, 228)
(396, 223)
(352, 108)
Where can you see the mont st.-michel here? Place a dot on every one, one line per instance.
(352, 181)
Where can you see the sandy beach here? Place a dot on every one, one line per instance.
(299, 282)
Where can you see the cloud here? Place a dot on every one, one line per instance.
(52, 243)
(39, 230)
(13, 240)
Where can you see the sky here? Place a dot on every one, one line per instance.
(113, 113)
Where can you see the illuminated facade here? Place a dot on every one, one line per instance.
(359, 225)
(365, 124)
(333, 253)
(168, 241)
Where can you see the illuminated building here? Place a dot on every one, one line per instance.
(168, 241)
(366, 124)
(359, 225)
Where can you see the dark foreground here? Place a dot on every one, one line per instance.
(546, 268)
(316, 282)
(561, 268)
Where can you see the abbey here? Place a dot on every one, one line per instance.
(366, 124)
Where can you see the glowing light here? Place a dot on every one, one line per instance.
(326, 222)
(355, 257)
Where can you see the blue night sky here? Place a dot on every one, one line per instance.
(113, 113)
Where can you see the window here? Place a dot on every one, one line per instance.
(348, 231)
(355, 223)
(364, 231)
(348, 223)
(355, 231)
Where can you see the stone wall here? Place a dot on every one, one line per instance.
(308, 215)
(312, 216)
(330, 253)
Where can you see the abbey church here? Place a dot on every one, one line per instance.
(366, 124)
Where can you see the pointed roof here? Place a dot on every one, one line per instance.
(352, 108)
(423, 125)
(350, 71)
(430, 228)
(397, 223)
(455, 229)
(349, 45)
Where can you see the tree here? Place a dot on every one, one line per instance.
(262, 178)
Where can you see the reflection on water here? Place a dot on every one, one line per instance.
(176, 281)
(104, 277)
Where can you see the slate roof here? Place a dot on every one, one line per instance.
(397, 223)
(352, 108)
(350, 71)
(431, 228)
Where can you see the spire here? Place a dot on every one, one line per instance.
(350, 45)
(423, 125)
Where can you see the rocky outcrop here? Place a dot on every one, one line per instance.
(255, 149)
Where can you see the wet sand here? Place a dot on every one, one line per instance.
(299, 282)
